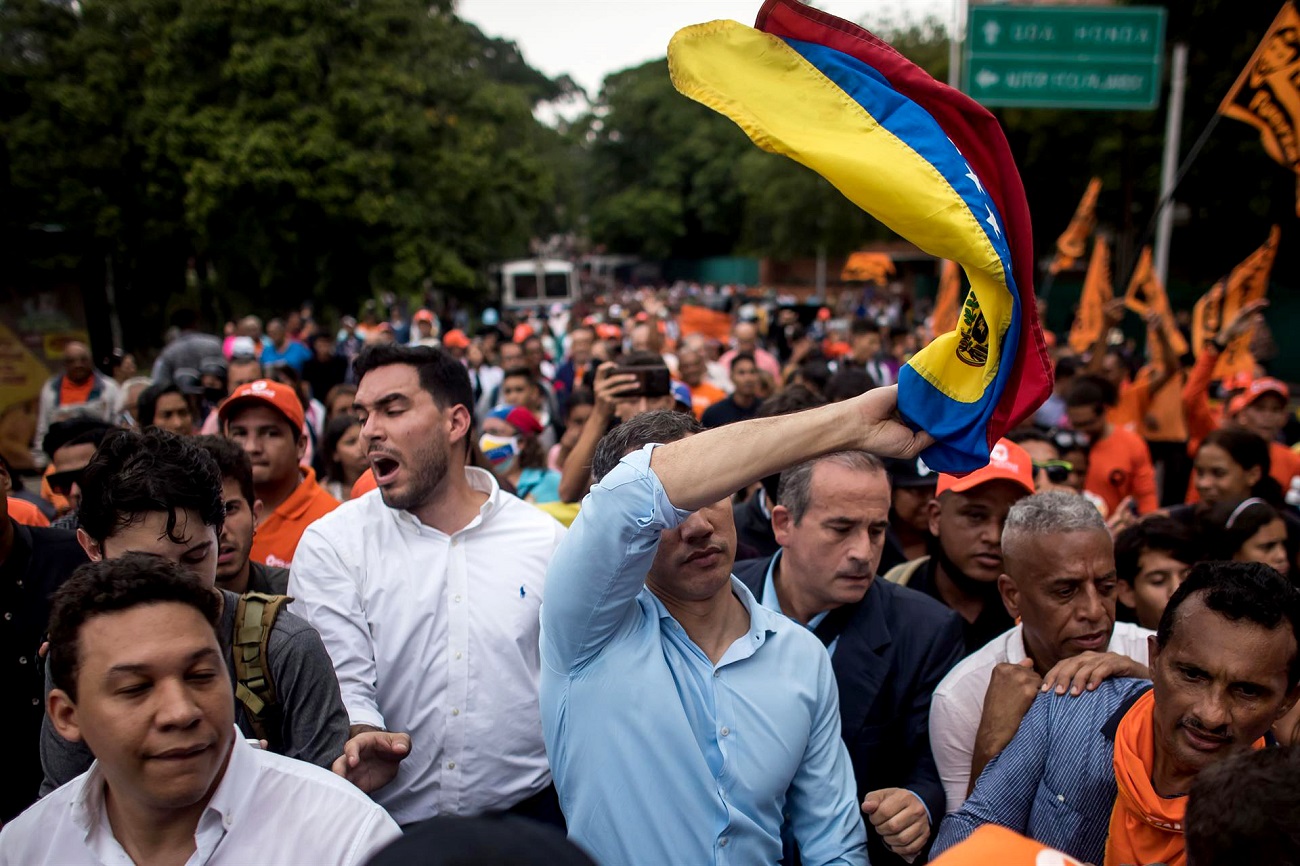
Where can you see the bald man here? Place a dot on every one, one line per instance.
(744, 341)
(79, 390)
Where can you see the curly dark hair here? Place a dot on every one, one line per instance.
(232, 463)
(134, 473)
(112, 585)
(441, 375)
(1239, 591)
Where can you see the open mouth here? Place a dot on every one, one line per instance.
(225, 555)
(1096, 641)
(384, 467)
(1203, 742)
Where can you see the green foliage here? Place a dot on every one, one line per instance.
(287, 148)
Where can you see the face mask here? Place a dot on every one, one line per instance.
(501, 452)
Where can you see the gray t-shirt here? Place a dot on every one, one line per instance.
(314, 726)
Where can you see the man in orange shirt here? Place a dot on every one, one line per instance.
(691, 369)
(265, 418)
(79, 390)
(1119, 464)
(1261, 409)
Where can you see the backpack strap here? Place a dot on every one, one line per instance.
(254, 617)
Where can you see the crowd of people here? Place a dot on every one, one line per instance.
(404, 590)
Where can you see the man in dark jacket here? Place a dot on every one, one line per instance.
(890, 646)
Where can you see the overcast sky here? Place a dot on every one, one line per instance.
(589, 39)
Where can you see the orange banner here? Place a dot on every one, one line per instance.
(868, 267)
(702, 320)
(1247, 282)
(1267, 93)
(947, 302)
(1073, 242)
(1090, 321)
(1146, 294)
(1207, 317)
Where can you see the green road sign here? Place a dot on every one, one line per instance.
(1065, 57)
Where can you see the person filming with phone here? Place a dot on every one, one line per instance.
(640, 384)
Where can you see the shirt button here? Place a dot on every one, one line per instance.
(717, 673)
(1060, 798)
(22, 660)
(8, 616)
(451, 765)
(36, 702)
(229, 820)
(758, 637)
(456, 599)
(455, 711)
(726, 731)
(457, 655)
(722, 843)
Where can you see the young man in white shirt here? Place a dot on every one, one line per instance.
(1060, 584)
(140, 677)
(427, 597)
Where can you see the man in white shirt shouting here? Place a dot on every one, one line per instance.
(427, 596)
(140, 677)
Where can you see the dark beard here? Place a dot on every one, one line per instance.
(965, 584)
(428, 470)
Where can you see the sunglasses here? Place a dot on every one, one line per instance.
(1070, 440)
(62, 482)
(1058, 471)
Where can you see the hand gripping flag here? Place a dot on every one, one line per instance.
(924, 159)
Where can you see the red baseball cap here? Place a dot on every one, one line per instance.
(1256, 389)
(1007, 462)
(455, 339)
(280, 397)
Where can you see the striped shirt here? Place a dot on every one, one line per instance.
(1055, 782)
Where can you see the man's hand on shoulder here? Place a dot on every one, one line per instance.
(899, 817)
(371, 756)
(1088, 670)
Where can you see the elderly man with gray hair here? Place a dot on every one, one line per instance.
(1060, 586)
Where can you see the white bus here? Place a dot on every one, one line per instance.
(537, 282)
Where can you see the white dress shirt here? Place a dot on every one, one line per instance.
(958, 702)
(266, 809)
(437, 636)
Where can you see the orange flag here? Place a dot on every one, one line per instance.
(948, 300)
(701, 320)
(1097, 292)
(1145, 293)
(1247, 282)
(1207, 317)
(1073, 242)
(868, 267)
(1267, 93)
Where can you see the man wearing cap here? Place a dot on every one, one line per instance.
(425, 330)
(965, 525)
(912, 486)
(1060, 583)
(455, 343)
(1261, 409)
(266, 419)
(889, 645)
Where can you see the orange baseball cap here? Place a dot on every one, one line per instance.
(1007, 462)
(1256, 389)
(280, 397)
(455, 339)
(422, 316)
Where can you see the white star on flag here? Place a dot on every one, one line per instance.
(970, 173)
(993, 221)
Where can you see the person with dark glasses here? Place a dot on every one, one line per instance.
(1051, 471)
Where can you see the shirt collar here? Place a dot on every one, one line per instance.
(301, 497)
(772, 601)
(479, 480)
(234, 791)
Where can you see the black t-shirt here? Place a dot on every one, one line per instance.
(42, 559)
(992, 621)
(725, 411)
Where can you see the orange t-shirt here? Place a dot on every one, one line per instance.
(278, 534)
(72, 394)
(1119, 465)
(703, 396)
(1165, 408)
(25, 513)
(1284, 464)
(1134, 398)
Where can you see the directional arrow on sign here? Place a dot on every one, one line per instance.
(991, 32)
(986, 78)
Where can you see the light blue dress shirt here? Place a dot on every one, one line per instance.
(659, 756)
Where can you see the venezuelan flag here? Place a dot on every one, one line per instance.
(924, 159)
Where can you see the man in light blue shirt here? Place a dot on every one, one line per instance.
(684, 722)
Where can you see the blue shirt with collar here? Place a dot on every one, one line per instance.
(1055, 782)
(660, 756)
